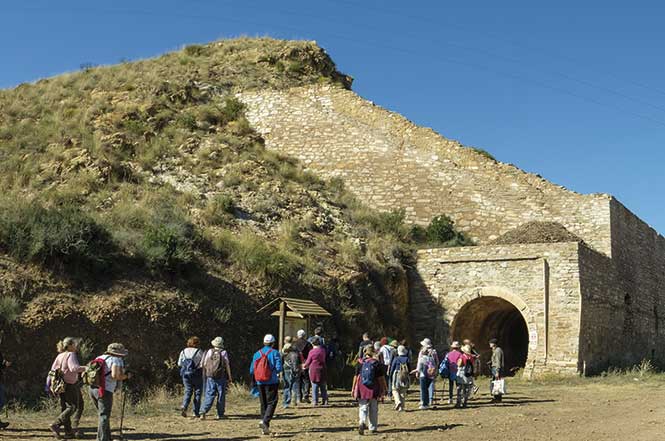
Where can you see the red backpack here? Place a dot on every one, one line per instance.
(262, 369)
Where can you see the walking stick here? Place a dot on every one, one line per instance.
(122, 411)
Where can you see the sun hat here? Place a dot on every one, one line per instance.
(394, 344)
(287, 347)
(377, 345)
(466, 349)
(288, 339)
(117, 349)
(218, 342)
(268, 339)
(301, 333)
(426, 342)
(369, 351)
(455, 345)
(402, 351)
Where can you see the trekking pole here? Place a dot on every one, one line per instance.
(122, 411)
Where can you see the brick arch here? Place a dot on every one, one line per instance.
(469, 298)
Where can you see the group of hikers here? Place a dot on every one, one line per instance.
(383, 371)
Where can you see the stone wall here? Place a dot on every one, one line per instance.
(391, 163)
(540, 280)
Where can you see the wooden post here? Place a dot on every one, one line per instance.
(282, 323)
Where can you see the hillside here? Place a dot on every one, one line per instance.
(139, 205)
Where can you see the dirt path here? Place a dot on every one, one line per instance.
(591, 412)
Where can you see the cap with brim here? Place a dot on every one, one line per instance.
(394, 343)
(466, 349)
(455, 345)
(218, 342)
(117, 349)
(268, 339)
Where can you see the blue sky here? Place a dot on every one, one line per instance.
(575, 93)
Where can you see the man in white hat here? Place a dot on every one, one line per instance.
(102, 398)
(265, 367)
(217, 373)
(303, 346)
(427, 344)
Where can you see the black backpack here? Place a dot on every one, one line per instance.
(468, 368)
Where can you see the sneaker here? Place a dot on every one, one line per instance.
(361, 429)
(221, 417)
(55, 429)
(265, 429)
(183, 412)
(202, 416)
(374, 431)
(4, 425)
(450, 401)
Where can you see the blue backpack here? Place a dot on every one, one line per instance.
(368, 372)
(444, 370)
(188, 370)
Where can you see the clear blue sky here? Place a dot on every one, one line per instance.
(575, 93)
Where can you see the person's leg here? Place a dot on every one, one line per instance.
(460, 387)
(80, 405)
(451, 385)
(492, 377)
(296, 388)
(432, 386)
(263, 400)
(210, 394)
(373, 415)
(189, 389)
(288, 385)
(272, 393)
(221, 398)
(363, 414)
(307, 386)
(315, 393)
(324, 393)
(198, 391)
(396, 397)
(68, 401)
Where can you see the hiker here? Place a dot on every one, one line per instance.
(496, 368)
(435, 358)
(450, 361)
(217, 372)
(476, 361)
(409, 351)
(266, 365)
(68, 368)
(465, 375)
(191, 373)
(316, 364)
(388, 352)
(3, 397)
(112, 377)
(425, 371)
(365, 342)
(369, 386)
(399, 375)
(292, 361)
(303, 346)
(334, 362)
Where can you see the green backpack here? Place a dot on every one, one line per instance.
(94, 373)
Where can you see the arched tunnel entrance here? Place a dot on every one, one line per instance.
(493, 317)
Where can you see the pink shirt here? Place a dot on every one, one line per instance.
(68, 363)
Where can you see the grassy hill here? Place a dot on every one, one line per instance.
(140, 206)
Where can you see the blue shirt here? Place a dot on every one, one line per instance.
(274, 360)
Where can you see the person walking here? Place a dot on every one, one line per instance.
(425, 371)
(292, 361)
(316, 365)
(191, 372)
(369, 386)
(366, 341)
(70, 399)
(265, 367)
(451, 363)
(399, 375)
(113, 376)
(318, 333)
(3, 397)
(387, 352)
(476, 362)
(435, 357)
(464, 376)
(496, 368)
(217, 372)
(303, 346)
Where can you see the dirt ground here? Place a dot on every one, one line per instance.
(625, 409)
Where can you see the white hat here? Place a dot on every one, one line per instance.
(426, 342)
(401, 350)
(268, 339)
(218, 342)
(301, 333)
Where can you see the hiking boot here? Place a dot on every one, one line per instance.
(221, 417)
(265, 429)
(4, 425)
(202, 416)
(361, 429)
(55, 429)
(183, 412)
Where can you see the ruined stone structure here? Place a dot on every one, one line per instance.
(563, 307)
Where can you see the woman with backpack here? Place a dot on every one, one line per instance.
(426, 371)
(369, 385)
(217, 371)
(399, 375)
(191, 373)
(65, 370)
(293, 361)
(316, 363)
(465, 374)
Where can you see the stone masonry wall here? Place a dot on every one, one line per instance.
(391, 163)
(541, 280)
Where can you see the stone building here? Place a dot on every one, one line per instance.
(576, 306)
